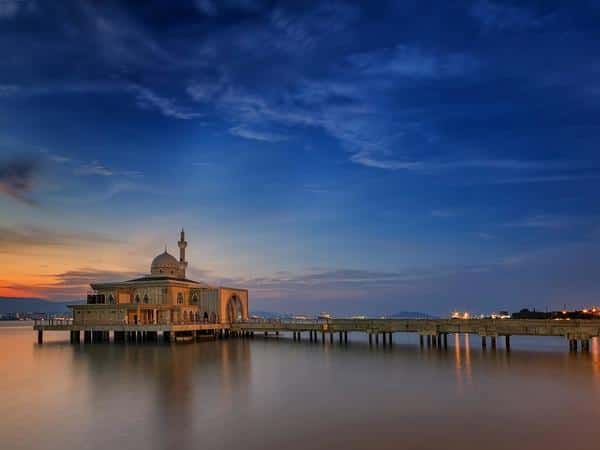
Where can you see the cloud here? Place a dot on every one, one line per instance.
(256, 135)
(548, 222)
(18, 237)
(494, 15)
(9, 9)
(94, 168)
(410, 61)
(147, 99)
(17, 179)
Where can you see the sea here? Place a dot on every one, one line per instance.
(275, 393)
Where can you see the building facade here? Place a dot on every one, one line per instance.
(164, 297)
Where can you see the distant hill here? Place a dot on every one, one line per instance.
(31, 305)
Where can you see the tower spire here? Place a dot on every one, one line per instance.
(182, 244)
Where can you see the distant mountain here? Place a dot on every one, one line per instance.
(411, 315)
(31, 305)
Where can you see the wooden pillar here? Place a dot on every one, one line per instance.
(40, 337)
(390, 336)
(428, 340)
(433, 341)
(439, 339)
(493, 341)
(445, 340)
(483, 342)
(345, 337)
(370, 338)
(87, 336)
(322, 337)
(331, 337)
(507, 342)
(277, 333)
(340, 336)
(376, 338)
(421, 340)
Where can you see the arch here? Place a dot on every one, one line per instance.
(234, 309)
(179, 298)
(205, 316)
(195, 298)
(137, 298)
(146, 299)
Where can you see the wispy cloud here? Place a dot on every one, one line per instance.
(407, 61)
(17, 178)
(17, 237)
(147, 99)
(9, 9)
(548, 222)
(245, 132)
(502, 16)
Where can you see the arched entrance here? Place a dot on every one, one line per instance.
(234, 309)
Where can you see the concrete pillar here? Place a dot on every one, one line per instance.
(40, 337)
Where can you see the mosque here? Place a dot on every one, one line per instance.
(164, 297)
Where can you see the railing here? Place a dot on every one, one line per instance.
(53, 322)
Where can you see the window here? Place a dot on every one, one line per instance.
(146, 299)
(195, 298)
(111, 299)
(137, 298)
(180, 298)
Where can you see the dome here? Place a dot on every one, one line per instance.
(165, 264)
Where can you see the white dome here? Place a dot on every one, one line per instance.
(165, 264)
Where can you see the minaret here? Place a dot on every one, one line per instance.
(182, 244)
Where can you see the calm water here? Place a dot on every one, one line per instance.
(268, 393)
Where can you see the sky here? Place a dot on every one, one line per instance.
(350, 157)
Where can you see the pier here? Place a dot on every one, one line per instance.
(432, 332)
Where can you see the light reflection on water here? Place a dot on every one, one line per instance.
(276, 393)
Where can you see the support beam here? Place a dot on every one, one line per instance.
(377, 338)
(483, 342)
(370, 338)
(345, 337)
(493, 342)
(421, 340)
(507, 342)
(40, 337)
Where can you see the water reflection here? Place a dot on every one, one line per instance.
(276, 393)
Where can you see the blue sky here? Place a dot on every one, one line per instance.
(348, 156)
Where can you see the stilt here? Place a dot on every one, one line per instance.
(428, 341)
(493, 341)
(421, 340)
(376, 338)
(277, 333)
(40, 339)
(299, 335)
(322, 337)
(345, 337)
(390, 337)
(439, 340)
(87, 336)
(331, 337)
(433, 341)
(483, 342)
(446, 341)
(507, 342)
(370, 338)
